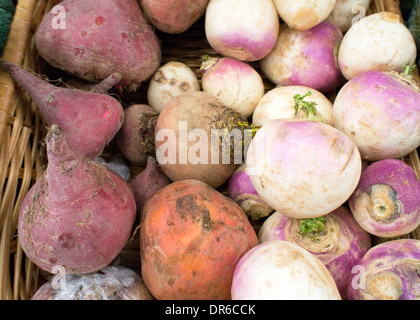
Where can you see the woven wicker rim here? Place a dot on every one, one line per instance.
(22, 130)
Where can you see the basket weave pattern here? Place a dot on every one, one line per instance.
(22, 129)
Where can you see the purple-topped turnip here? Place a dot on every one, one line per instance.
(304, 14)
(283, 102)
(378, 42)
(388, 271)
(303, 168)
(281, 270)
(380, 112)
(242, 191)
(386, 203)
(336, 239)
(245, 30)
(305, 58)
(233, 82)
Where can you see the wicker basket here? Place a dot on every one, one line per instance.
(22, 129)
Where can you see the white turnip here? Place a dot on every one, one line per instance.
(348, 12)
(245, 30)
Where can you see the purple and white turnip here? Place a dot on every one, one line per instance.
(305, 58)
(386, 203)
(380, 112)
(336, 239)
(233, 82)
(388, 271)
(245, 30)
(378, 42)
(282, 270)
(303, 168)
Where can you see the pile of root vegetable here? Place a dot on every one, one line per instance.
(321, 175)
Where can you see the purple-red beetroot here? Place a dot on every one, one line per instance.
(386, 203)
(388, 271)
(78, 215)
(380, 112)
(89, 119)
(339, 244)
(245, 30)
(242, 191)
(147, 182)
(102, 87)
(100, 37)
(305, 58)
(136, 139)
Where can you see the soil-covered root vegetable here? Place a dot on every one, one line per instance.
(378, 42)
(170, 80)
(78, 216)
(380, 112)
(89, 119)
(304, 14)
(191, 238)
(244, 30)
(336, 239)
(173, 16)
(386, 203)
(233, 82)
(81, 43)
(102, 87)
(193, 139)
(109, 283)
(293, 102)
(303, 168)
(135, 139)
(388, 271)
(306, 58)
(348, 12)
(147, 182)
(242, 191)
(282, 270)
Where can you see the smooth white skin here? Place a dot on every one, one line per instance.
(303, 171)
(278, 103)
(347, 12)
(281, 270)
(170, 80)
(378, 42)
(239, 91)
(304, 14)
(253, 18)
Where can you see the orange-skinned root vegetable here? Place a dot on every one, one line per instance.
(378, 42)
(281, 270)
(348, 12)
(386, 203)
(190, 137)
(233, 82)
(78, 215)
(283, 102)
(244, 30)
(336, 239)
(305, 58)
(170, 80)
(173, 16)
(388, 271)
(303, 168)
(304, 14)
(147, 182)
(110, 283)
(136, 136)
(242, 191)
(89, 119)
(83, 45)
(380, 112)
(191, 238)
